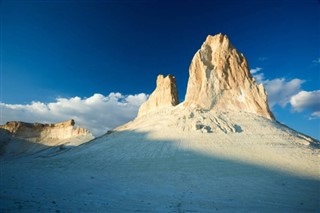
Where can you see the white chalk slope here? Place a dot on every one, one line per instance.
(162, 163)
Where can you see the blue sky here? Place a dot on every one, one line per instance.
(54, 51)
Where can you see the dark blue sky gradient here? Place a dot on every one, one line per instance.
(77, 48)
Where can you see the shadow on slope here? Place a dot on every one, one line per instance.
(13, 147)
(133, 171)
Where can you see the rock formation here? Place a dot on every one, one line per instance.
(164, 95)
(214, 153)
(220, 80)
(19, 137)
(40, 132)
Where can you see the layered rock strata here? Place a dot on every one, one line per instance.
(40, 132)
(20, 138)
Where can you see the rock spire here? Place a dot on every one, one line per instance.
(164, 95)
(220, 80)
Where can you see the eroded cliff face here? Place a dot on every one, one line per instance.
(26, 138)
(220, 80)
(164, 95)
(36, 132)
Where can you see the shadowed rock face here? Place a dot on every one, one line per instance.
(220, 80)
(164, 95)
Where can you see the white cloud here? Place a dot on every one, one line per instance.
(97, 113)
(317, 61)
(255, 70)
(307, 101)
(281, 90)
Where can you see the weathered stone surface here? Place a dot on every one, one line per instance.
(220, 80)
(37, 132)
(164, 95)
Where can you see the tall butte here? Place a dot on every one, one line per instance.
(220, 80)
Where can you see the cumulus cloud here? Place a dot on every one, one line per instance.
(97, 113)
(281, 90)
(307, 101)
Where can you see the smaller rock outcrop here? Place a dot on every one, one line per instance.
(18, 137)
(41, 132)
(164, 95)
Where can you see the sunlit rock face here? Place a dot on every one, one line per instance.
(164, 95)
(42, 132)
(18, 137)
(220, 80)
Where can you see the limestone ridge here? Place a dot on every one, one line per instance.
(35, 132)
(220, 80)
(164, 95)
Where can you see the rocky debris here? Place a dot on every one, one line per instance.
(206, 122)
(164, 95)
(220, 80)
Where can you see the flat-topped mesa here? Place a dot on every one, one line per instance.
(164, 95)
(39, 132)
(20, 138)
(220, 80)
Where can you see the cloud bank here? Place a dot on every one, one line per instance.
(97, 113)
(307, 101)
(282, 92)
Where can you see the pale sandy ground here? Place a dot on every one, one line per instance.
(166, 162)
